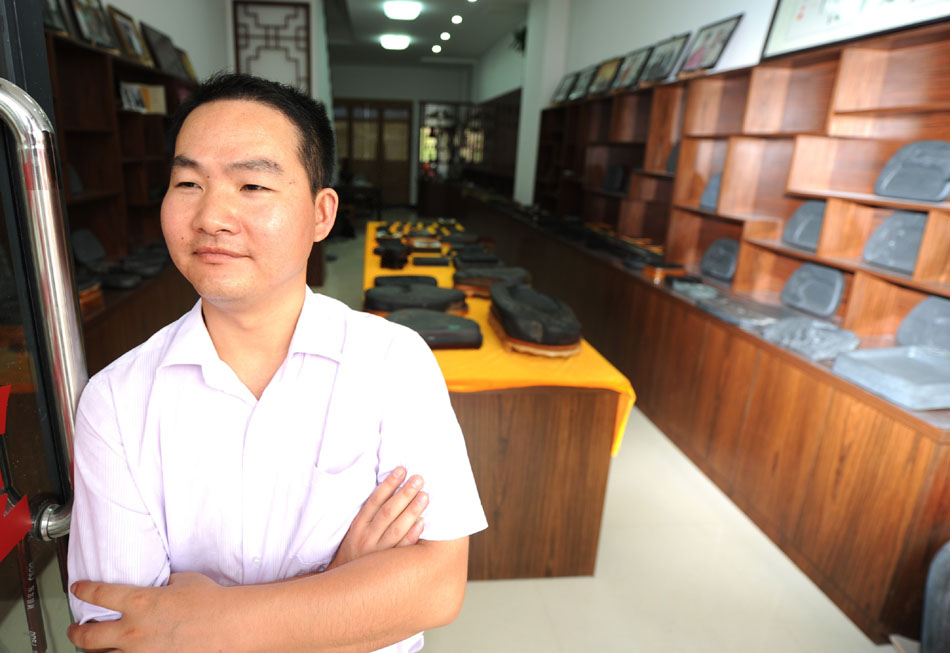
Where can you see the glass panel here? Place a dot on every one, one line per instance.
(25, 475)
(365, 140)
(342, 139)
(365, 113)
(428, 145)
(395, 114)
(340, 112)
(396, 141)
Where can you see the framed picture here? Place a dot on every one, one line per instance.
(631, 68)
(562, 90)
(604, 76)
(186, 63)
(130, 37)
(663, 59)
(708, 45)
(132, 97)
(53, 17)
(584, 78)
(92, 23)
(804, 24)
(163, 51)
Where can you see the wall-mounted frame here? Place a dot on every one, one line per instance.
(707, 47)
(798, 25)
(133, 44)
(584, 78)
(54, 18)
(164, 52)
(631, 69)
(663, 59)
(93, 24)
(604, 77)
(564, 88)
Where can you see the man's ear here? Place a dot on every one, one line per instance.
(324, 213)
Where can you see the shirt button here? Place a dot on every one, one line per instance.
(256, 560)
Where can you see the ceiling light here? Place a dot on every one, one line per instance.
(445, 36)
(402, 9)
(394, 41)
(472, 0)
(456, 19)
(437, 48)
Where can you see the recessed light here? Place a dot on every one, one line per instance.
(394, 41)
(456, 19)
(445, 36)
(437, 48)
(472, 0)
(402, 9)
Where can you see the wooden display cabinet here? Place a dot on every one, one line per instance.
(791, 96)
(666, 127)
(716, 104)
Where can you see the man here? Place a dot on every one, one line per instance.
(236, 447)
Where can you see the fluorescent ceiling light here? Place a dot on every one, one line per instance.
(394, 41)
(445, 36)
(456, 19)
(402, 9)
(437, 48)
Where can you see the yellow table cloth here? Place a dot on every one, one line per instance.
(492, 367)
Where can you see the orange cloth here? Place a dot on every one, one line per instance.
(492, 367)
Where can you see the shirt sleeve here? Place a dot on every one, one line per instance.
(113, 536)
(419, 430)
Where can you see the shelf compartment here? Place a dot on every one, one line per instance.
(716, 104)
(879, 306)
(699, 160)
(690, 234)
(791, 97)
(666, 126)
(651, 188)
(630, 117)
(595, 121)
(846, 168)
(754, 178)
(598, 158)
(767, 269)
(643, 219)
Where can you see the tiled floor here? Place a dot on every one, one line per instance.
(680, 568)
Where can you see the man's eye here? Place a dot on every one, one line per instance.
(253, 187)
(186, 184)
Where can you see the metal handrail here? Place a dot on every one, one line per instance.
(58, 318)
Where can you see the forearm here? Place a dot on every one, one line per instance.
(366, 604)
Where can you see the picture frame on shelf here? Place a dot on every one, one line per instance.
(581, 86)
(707, 47)
(93, 25)
(186, 62)
(164, 52)
(800, 26)
(564, 88)
(53, 17)
(133, 44)
(664, 57)
(131, 97)
(604, 77)
(631, 69)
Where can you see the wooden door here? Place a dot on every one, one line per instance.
(373, 137)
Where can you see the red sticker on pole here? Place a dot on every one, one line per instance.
(15, 523)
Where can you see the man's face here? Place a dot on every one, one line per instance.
(238, 217)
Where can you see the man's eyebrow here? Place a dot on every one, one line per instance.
(257, 165)
(181, 161)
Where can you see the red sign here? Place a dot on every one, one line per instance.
(14, 523)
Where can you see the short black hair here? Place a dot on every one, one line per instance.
(317, 148)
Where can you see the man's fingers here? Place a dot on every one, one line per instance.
(412, 537)
(382, 493)
(400, 527)
(95, 636)
(106, 595)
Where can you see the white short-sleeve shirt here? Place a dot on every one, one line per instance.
(178, 467)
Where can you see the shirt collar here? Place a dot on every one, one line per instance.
(320, 331)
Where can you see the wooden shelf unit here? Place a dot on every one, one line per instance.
(848, 484)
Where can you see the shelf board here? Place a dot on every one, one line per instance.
(893, 111)
(854, 265)
(617, 143)
(94, 196)
(871, 198)
(782, 134)
(606, 193)
(716, 135)
(654, 173)
(728, 217)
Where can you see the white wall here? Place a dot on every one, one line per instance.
(498, 71)
(415, 83)
(199, 28)
(601, 29)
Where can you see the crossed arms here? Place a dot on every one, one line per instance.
(383, 585)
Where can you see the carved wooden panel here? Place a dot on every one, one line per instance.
(272, 40)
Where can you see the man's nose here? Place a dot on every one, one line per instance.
(216, 213)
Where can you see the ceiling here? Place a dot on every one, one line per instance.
(354, 27)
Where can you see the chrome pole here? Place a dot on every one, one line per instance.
(52, 273)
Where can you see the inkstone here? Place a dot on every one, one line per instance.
(917, 171)
(804, 227)
(710, 196)
(815, 289)
(928, 324)
(896, 241)
(719, 261)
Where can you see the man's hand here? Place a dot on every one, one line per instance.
(390, 517)
(160, 619)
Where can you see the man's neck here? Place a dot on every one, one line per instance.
(254, 340)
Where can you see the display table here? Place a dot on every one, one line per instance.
(540, 433)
